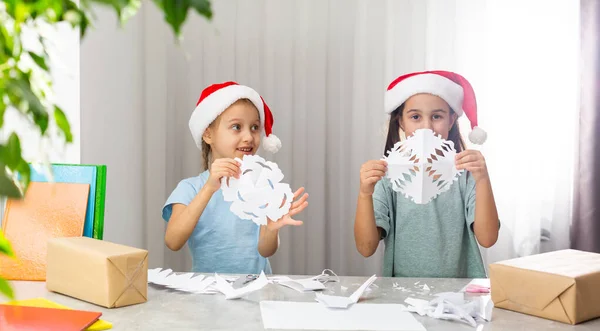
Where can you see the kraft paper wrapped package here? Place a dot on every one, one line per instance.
(563, 285)
(96, 271)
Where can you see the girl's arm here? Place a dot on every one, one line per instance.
(486, 224)
(184, 218)
(268, 239)
(486, 216)
(268, 243)
(366, 232)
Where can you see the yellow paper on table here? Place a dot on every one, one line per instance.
(99, 325)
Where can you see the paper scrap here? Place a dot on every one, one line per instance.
(301, 285)
(422, 166)
(334, 301)
(452, 306)
(258, 193)
(288, 315)
(185, 282)
(230, 293)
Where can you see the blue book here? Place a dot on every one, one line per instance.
(78, 174)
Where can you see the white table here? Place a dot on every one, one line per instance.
(172, 310)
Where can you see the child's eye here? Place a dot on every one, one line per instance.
(255, 127)
(415, 117)
(236, 127)
(437, 117)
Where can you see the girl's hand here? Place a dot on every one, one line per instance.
(474, 162)
(222, 168)
(370, 173)
(296, 208)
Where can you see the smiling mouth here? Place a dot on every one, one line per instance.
(245, 149)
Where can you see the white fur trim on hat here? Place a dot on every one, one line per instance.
(271, 143)
(478, 136)
(214, 104)
(428, 83)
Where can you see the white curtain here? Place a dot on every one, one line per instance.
(323, 66)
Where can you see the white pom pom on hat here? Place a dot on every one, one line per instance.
(450, 86)
(213, 101)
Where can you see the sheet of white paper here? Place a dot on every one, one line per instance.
(422, 166)
(288, 315)
(230, 293)
(334, 301)
(258, 193)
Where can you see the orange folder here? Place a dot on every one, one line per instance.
(48, 210)
(24, 318)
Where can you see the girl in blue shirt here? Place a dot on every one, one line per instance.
(227, 123)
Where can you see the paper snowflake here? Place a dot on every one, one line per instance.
(258, 193)
(422, 166)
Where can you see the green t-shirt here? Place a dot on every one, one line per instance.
(429, 240)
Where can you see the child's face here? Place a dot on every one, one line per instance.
(426, 111)
(236, 132)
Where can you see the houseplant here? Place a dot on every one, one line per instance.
(25, 84)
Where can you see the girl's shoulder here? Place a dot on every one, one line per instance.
(195, 182)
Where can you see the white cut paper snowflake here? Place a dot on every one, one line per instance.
(422, 166)
(258, 193)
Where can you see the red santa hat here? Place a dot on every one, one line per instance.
(450, 86)
(217, 97)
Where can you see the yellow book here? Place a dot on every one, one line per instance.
(45, 303)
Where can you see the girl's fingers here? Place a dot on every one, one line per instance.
(467, 158)
(300, 201)
(293, 222)
(229, 166)
(470, 166)
(372, 180)
(376, 166)
(298, 192)
(298, 209)
(373, 173)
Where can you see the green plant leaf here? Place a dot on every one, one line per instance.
(175, 13)
(125, 8)
(6, 289)
(24, 172)
(63, 123)
(8, 187)
(11, 155)
(20, 94)
(5, 247)
(39, 60)
(202, 7)
(2, 109)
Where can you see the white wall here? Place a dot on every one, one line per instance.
(111, 116)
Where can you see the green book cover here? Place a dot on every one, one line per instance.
(100, 202)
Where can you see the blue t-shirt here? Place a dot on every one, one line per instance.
(221, 241)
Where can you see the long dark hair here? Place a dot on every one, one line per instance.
(393, 135)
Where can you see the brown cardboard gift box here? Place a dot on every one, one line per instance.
(96, 271)
(563, 285)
